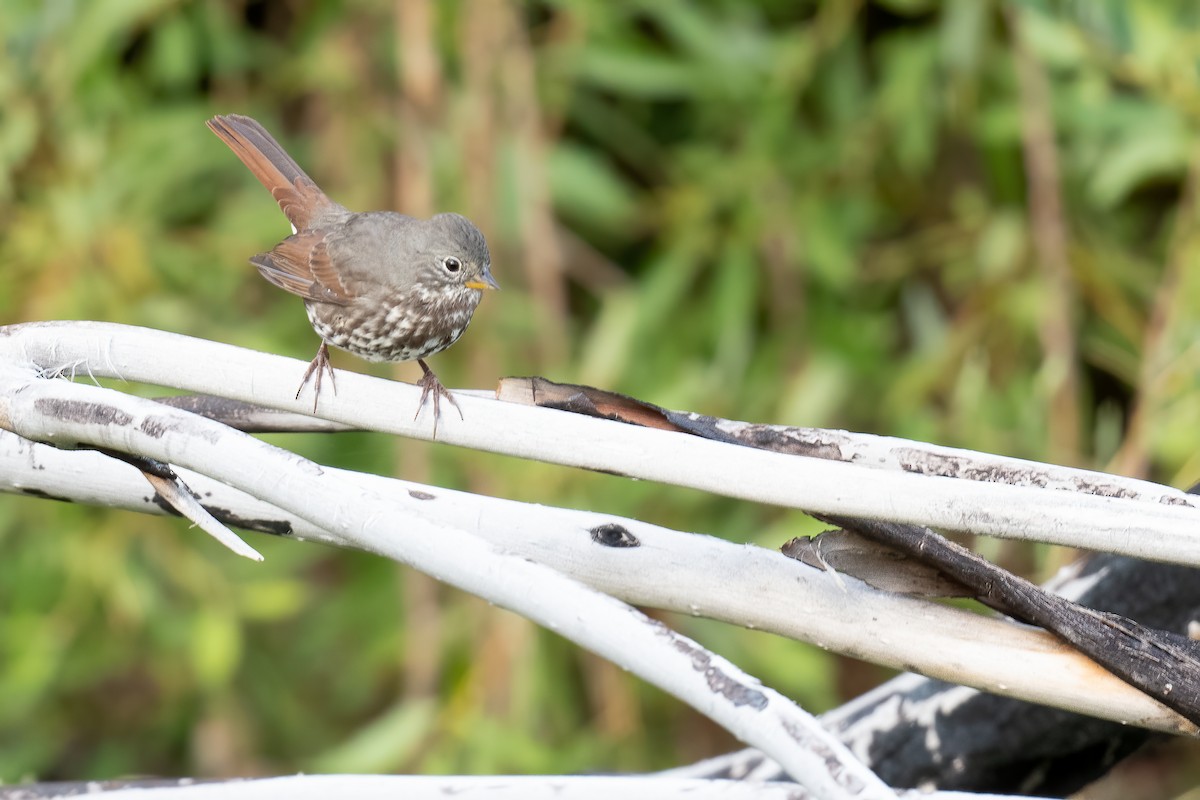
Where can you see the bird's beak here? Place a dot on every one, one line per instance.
(484, 281)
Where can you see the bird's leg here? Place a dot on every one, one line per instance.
(319, 365)
(430, 384)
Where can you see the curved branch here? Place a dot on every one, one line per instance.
(67, 414)
(1167, 531)
(672, 570)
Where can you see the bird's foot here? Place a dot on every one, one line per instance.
(319, 365)
(430, 385)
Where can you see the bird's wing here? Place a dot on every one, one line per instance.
(300, 264)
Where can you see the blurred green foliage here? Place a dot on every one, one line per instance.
(812, 213)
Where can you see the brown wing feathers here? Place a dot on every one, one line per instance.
(300, 265)
(297, 194)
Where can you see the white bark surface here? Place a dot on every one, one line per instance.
(537, 560)
(685, 572)
(500, 787)
(70, 414)
(1139, 526)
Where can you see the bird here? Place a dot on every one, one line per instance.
(379, 284)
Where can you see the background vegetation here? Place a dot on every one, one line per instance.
(966, 222)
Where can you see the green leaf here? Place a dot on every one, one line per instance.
(216, 646)
(589, 192)
(637, 73)
(384, 745)
(1158, 148)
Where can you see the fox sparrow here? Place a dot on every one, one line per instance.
(382, 285)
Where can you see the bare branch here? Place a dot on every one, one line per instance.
(684, 572)
(1166, 531)
(67, 414)
(439, 787)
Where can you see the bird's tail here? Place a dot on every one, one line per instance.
(298, 196)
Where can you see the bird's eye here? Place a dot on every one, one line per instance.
(451, 264)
